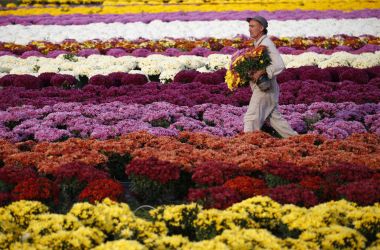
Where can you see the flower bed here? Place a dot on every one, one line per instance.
(191, 227)
(119, 47)
(184, 16)
(194, 29)
(139, 8)
(260, 147)
(331, 85)
(110, 120)
(165, 68)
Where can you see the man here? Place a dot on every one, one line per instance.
(264, 105)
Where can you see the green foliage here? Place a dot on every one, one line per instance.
(70, 57)
(161, 123)
(116, 164)
(274, 181)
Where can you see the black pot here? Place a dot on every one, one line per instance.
(264, 83)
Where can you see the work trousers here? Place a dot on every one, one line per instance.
(264, 105)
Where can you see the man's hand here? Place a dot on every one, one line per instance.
(256, 75)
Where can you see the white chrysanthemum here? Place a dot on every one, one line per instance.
(157, 57)
(294, 64)
(118, 68)
(343, 55)
(334, 62)
(158, 29)
(44, 60)
(99, 61)
(172, 64)
(65, 65)
(5, 68)
(218, 61)
(366, 60)
(126, 58)
(22, 70)
(306, 59)
(99, 65)
(49, 68)
(68, 72)
(168, 75)
(60, 57)
(97, 72)
(17, 62)
(337, 59)
(11, 59)
(11, 65)
(7, 63)
(32, 59)
(204, 70)
(153, 69)
(151, 65)
(128, 63)
(137, 72)
(82, 70)
(139, 60)
(144, 62)
(99, 57)
(192, 62)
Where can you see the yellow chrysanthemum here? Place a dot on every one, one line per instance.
(335, 237)
(121, 245)
(124, 6)
(249, 239)
(262, 210)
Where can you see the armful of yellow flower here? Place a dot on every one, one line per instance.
(247, 64)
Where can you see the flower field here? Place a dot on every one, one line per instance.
(118, 130)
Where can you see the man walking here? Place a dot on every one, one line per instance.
(264, 105)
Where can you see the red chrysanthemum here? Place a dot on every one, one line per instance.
(154, 169)
(41, 189)
(101, 189)
(215, 197)
(247, 186)
(14, 175)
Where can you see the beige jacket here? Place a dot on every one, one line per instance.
(276, 67)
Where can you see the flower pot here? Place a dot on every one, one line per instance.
(264, 83)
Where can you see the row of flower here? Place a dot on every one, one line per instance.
(76, 19)
(249, 151)
(199, 47)
(157, 29)
(109, 120)
(27, 3)
(335, 77)
(213, 184)
(134, 2)
(148, 2)
(258, 222)
(209, 88)
(167, 67)
(65, 9)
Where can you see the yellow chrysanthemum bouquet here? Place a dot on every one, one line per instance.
(243, 63)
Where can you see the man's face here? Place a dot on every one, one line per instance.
(255, 29)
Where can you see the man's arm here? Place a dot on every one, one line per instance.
(277, 64)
